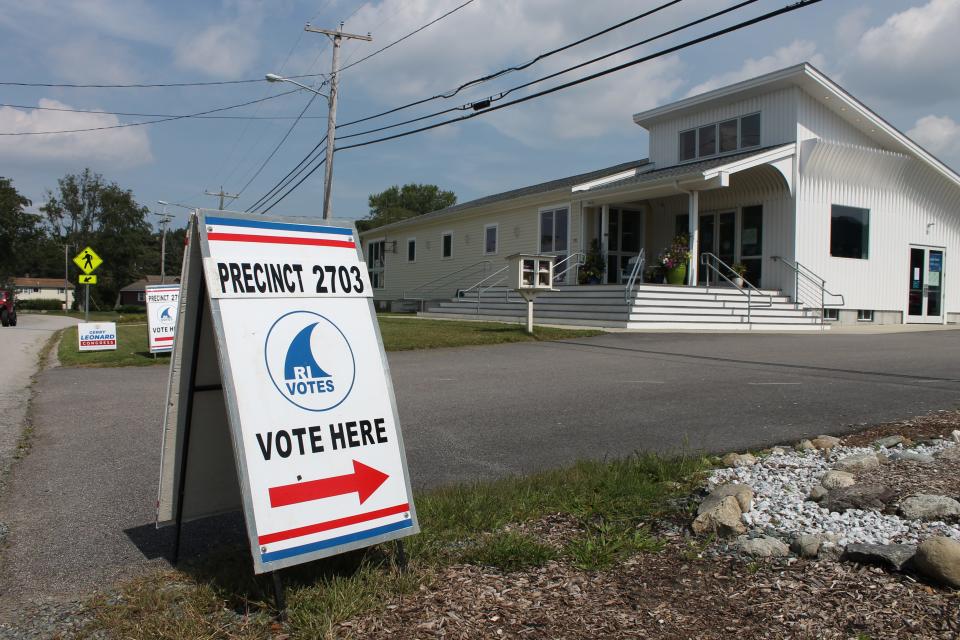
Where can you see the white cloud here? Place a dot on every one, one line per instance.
(794, 53)
(89, 59)
(912, 55)
(109, 148)
(221, 51)
(940, 135)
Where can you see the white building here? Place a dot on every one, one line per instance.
(28, 288)
(833, 212)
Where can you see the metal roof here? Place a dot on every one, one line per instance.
(543, 187)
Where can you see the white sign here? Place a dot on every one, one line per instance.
(310, 405)
(162, 305)
(97, 336)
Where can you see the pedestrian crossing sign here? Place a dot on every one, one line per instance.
(87, 260)
(88, 279)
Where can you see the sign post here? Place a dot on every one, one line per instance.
(87, 261)
(280, 399)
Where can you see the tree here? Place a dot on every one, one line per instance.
(86, 210)
(21, 232)
(408, 201)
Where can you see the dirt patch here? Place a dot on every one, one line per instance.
(933, 425)
(669, 595)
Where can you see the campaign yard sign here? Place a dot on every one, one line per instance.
(97, 336)
(162, 306)
(310, 408)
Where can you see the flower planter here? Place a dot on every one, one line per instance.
(677, 275)
(738, 281)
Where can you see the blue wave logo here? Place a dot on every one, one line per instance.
(296, 345)
(166, 315)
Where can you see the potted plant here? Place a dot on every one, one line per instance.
(591, 272)
(739, 269)
(674, 259)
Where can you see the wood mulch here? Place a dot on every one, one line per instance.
(938, 424)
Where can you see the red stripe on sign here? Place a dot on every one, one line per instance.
(316, 242)
(170, 339)
(332, 524)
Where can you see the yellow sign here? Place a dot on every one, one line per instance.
(88, 279)
(87, 260)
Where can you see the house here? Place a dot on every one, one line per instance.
(134, 294)
(835, 215)
(28, 288)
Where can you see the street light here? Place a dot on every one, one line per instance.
(176, 204)
(331, 131)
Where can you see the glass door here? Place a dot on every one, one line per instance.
(718, 235)
(925, 295)
(624, 241)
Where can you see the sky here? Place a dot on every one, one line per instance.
(898, 57)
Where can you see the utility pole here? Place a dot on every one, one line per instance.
(232, 196)
(336, 37)
(165, 219)
(66, 278)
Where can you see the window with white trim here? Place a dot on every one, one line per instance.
(720, 137)
(865, 315)
(490, 239)
(831, 314)
(411, 249)
(553, 230)
(376, 253)
(446, 244)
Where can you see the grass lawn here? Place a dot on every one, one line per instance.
(400, 333)
(131, 349)
(608, 503)
(97, 316)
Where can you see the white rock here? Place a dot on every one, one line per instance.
(837, 479)
(765, 547)
(858, 462)
(956, 435)
(929, 507)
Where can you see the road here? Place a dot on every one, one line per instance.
(81, 504)
(20, 347)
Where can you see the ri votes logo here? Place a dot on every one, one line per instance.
(166, 315)
(309, 360)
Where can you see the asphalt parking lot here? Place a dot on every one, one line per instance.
(80, 507)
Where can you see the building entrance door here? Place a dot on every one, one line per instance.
(925, 295)
(718, 235)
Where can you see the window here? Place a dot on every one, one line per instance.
(411, 250)
(831, 314)
(707, 139)
(141, 296)
(490, 233)
(60, 290)
(750, 131)
(446, 249)
(375, 262)
(688, 145)
(849, 232)
(553, 230)
(36, 289)
(864, 315)
(728, 136)
(723, 137)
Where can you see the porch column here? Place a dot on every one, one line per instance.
(604, 238)
(694, 229)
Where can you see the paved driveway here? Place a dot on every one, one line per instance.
(82, 503)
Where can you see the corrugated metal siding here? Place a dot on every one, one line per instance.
(778, 123)
(903, 196)
(816, 120)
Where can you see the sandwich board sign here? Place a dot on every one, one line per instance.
(161, 316)
(97, 336)
(280, 400)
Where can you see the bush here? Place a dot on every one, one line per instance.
(41, 304)
(130, 308)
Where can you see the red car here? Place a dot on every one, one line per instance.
(8, 309)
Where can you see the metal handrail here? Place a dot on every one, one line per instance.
(408, 295)
(638, 263)
(707, 260)
(581, 260)
(810, 279)
(462, 292)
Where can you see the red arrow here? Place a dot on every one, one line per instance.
(364, 481)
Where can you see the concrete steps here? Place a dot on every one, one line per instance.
(650, 307)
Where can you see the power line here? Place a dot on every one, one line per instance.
(684, 45)
(146, 122)
(550, 76)
(496, 74)
(153, 115)
(292, 175)
(129, 86)
(294, 187)
(412, 33)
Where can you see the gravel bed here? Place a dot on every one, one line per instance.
(782, 482)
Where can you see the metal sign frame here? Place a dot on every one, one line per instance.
(152, 342)
(177, 442)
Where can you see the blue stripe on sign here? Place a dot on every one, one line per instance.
(279, 226)
(333, 542)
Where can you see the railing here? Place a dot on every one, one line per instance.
(716, 265)
(580, 259)
(485, 285)
(810, 290)
(421, 292)
(636, 270)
